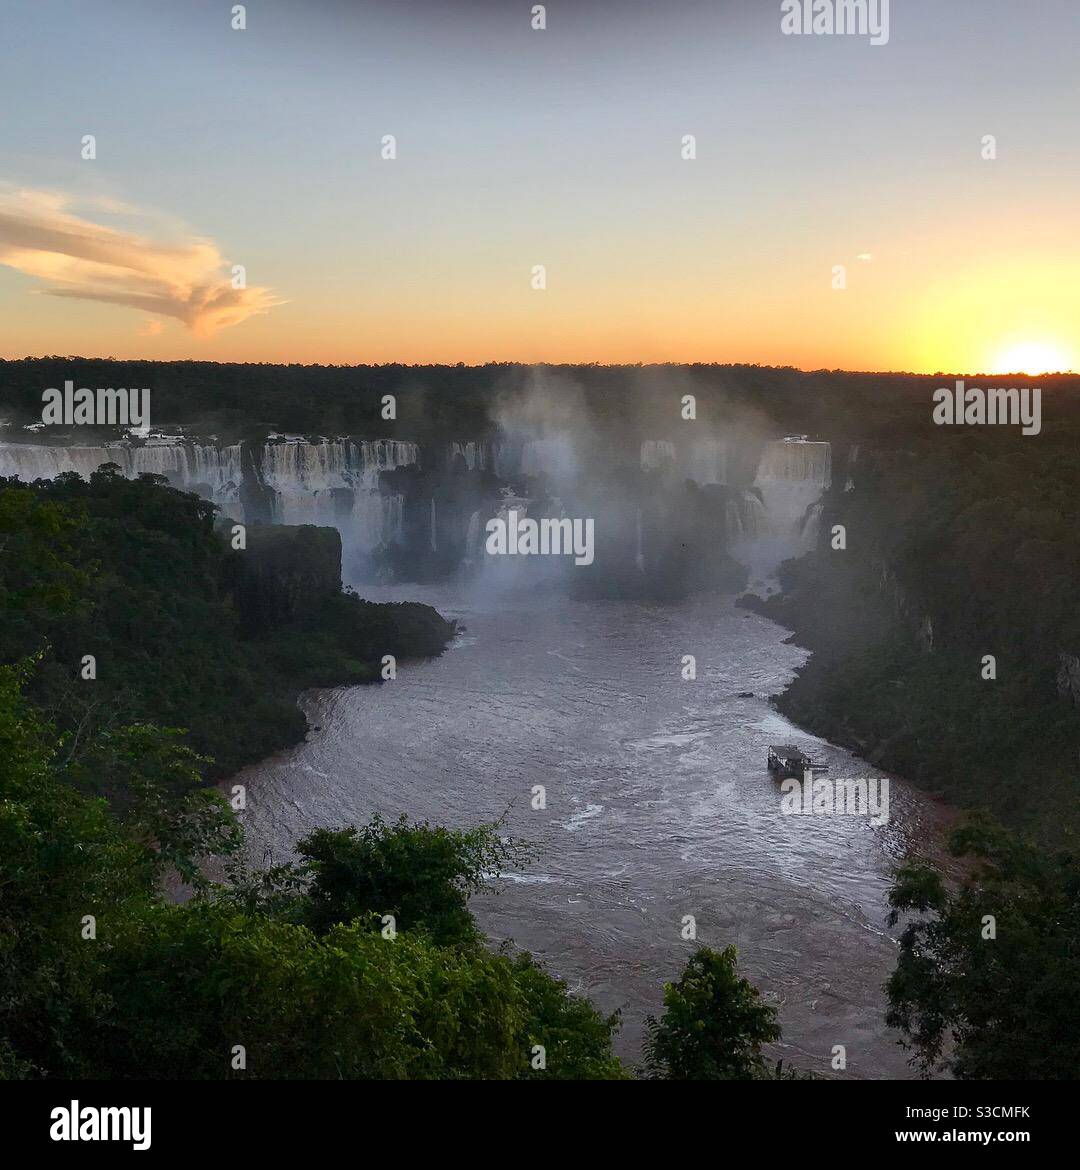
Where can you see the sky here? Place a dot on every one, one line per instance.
(820, 160)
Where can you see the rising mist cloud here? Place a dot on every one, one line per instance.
(189, 279)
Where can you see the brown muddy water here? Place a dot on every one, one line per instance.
(659, 805)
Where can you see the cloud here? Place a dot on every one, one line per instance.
(189, 280)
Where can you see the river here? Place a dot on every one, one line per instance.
(658, 805)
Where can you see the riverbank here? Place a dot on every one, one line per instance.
(657, 804)
(920, 706)
(136, 609)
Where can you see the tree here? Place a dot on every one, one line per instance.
(985, 983)
(66, 872)
(38, 579)
(421, 874)
(160, 798)
(713, 1025)
(101, 977)
(191, 984)
(575, 1037)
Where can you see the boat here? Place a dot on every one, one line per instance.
(787, 760)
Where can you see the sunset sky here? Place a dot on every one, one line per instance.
(560, 148)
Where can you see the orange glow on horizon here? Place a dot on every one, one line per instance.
(1034, 358)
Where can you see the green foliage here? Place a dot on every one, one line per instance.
(713, 1025)
(423, 875)
(169, 991)
(133, 573)
(975, 533)
(990, 1008)
(160, 798)
(62, 857)
(576, 1038)
(99, 976)
(35, 547)
(190, 983)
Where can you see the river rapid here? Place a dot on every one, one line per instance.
(658, 805)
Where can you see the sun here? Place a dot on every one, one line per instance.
(1032, 357)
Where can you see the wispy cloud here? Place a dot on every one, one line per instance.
(42, 237)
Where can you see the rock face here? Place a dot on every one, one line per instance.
(284, 569)
(1068, 677)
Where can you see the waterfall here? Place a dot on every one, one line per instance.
(475, 454)
(472, 539)
(791, 477)
(303, 476)
(375, 457)
(788, 460)
(505, 458)
(216, 470)
(308, 479)
(705, 460)
(811, 527)
(221, 468)
(639, 557)
(434, 528)
(554, 456)
(746, 517)
(376, 519)
(852, 460)
(300, 466)
(708, 461)
(26, 462)
(657, 453)
(393, 514)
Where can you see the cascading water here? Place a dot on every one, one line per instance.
(222, 469)
(505, 457)
(338, 482)
(708, 461)
(852, 459)
(791, 477)
(332, 463)
(746, 518)
(472, 539)
(657, 453)
(191, 466)
(705, 460)
(554, 456)
(475, 454)
(304, 478)
(29, 462)
(375, 519)
(811, 527)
